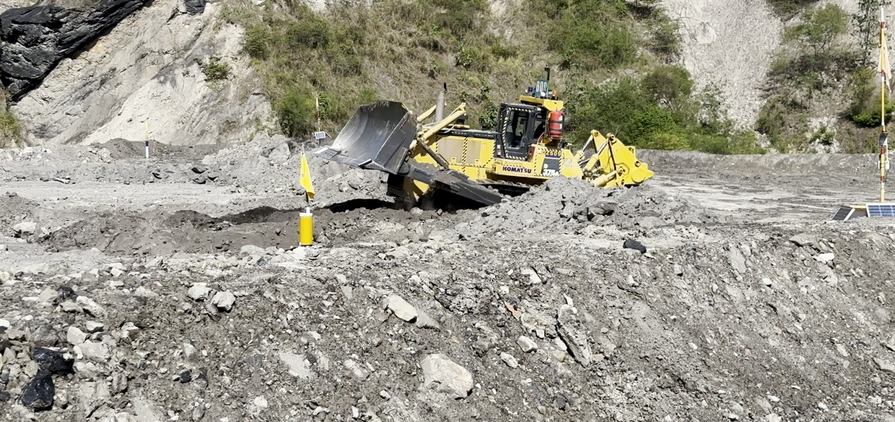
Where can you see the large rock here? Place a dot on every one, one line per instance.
(194, 7)
(572, 332)
(298, 366)
(38, 394)
(401, 308)
(25, 228)
(36, 38)
(443, 375)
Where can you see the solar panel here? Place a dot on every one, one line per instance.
(881, 210)
(843, 214)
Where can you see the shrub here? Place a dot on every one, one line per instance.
(10, 129)
(503, 51)
(658, 112)
(296, 111)
(589, 34)
(787, 8)
(665, 38)
(456, 17)
(256, 40)
(591, 46)
(820, 27)
(215, 70)
(865, 106)
(471, 57)
(310, 31)
(784, 122)
(668, 83)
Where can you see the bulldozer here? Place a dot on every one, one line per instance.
(445, 158)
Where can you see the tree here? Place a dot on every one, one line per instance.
(820, 27)
(865, 24)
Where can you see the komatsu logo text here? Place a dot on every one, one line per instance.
(516, 169)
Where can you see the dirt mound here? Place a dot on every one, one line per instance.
(566, 206)
(16, 209)
(122, 149)
(272, 164)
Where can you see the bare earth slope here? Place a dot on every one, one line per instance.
(729, 46)
(146, 71)
(748, 305)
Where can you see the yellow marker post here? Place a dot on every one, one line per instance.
(306, 219)
(884, 72)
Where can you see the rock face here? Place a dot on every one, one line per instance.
(143, 77)
(729, 45)
(36, 38)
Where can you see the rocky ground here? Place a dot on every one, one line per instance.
(172, 289)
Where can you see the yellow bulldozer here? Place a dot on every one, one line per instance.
(448, 159)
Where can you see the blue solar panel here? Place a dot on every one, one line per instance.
(881, 210)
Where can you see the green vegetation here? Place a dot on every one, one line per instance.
(819, 28)
(658, 111)
(215, 70)
(788, 8)
(866, 103)
(394, 49)
(864, 27)
(810, 66)
(10, 129)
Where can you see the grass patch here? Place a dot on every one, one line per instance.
(11, 133)
(215, 71)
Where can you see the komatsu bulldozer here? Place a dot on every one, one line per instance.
(447, 158)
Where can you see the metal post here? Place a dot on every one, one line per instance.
(146, 140)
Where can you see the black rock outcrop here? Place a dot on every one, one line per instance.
(36, 38)
(194, 7)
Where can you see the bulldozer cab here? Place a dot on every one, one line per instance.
(517, 130)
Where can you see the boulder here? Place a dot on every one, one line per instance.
(443, 375)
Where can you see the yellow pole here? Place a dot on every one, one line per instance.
(306, 228)
(883, 136)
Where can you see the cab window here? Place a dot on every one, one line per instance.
(515, 127)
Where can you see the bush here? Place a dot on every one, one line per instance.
(658, 112)
(784, 123)
(787, 8)
(471, 57)
(865, 106)
(309, 31)
(10, 129)
(503, 51)
(589, 47)
(456, 17)
(819, 28)
(665, 38)
(668, 83)
(296, 111)
(256, 40)
(215, 70)
(589, 34)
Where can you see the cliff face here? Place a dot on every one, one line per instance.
(729, 46)
(144, 71)
(36, 38)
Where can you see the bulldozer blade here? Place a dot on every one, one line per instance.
(377, 137)
(451, 181)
